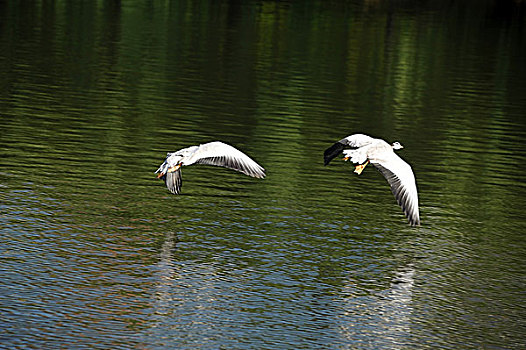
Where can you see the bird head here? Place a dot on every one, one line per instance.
(397, 145)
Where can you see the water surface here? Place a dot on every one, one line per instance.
(96, 253)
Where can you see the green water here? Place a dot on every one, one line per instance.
(96, 253)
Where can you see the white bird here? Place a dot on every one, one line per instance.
(212, 153)
(379, 153)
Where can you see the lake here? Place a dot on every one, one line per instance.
(97, 253)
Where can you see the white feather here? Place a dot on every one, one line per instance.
(212, 153)
(398, 173)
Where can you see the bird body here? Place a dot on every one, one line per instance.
(381, 155)
(211, 153)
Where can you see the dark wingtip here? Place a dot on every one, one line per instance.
(414, 222)
(173, 181)
(332, 152)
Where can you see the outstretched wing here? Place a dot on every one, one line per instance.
(173, 181)
(220, 154)
(400, 177)
(354, 141)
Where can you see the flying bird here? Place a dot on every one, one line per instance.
(212, 153)
(399, 175)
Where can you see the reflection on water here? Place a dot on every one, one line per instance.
(386, 315)
(97, 253)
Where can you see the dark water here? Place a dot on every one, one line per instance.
(96, 253)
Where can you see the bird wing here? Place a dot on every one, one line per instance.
(220, 154)
(173, 181)
(400, 177)
(355, 141)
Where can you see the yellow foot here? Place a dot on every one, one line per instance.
(174, 168)
(359, 168)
